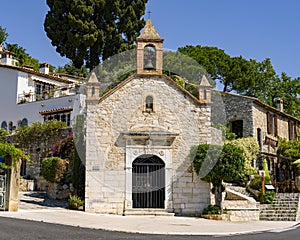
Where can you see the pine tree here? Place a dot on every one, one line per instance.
(90, 31)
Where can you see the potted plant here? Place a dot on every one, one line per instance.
(75, 202)
(213, 212)
(27, 95)
(46, 94)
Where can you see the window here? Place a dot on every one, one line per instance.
(149, 58)
(24, 122)
(41, 87)
(23, 168)
(272, 124)
(205, 94)
(149, 104)
(10, 126)
(4, 125)
(63, 117)
(259, 138)
(237, 128)
(292, 130)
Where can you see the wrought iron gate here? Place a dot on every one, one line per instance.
(148, 182)
(2, 191)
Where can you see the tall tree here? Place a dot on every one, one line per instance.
(248, 77)
(289, 90)
(235, 73)
(216, 164)
(263, 83)
(3, 35)
(215, 61)
(89, 31)
(70, 69)
(23, 57)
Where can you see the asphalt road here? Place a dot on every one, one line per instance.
(16, 229)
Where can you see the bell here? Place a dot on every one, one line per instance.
(149, 64)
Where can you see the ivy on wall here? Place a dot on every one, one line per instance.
(47, 133)
(9, 150)
(250, 148)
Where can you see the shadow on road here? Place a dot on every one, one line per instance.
(39, 199)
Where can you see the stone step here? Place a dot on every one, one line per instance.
(277, 218)
(287, 194)
(148, 212)
(278, 207)
(266, 217)
(278, 214)
(285, 200)
(283, 208)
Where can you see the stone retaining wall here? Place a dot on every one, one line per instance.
(241, 210)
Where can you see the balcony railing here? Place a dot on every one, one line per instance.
(32, 97)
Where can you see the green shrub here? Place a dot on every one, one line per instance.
(75, 202)
(211, 209)
(255, 183)
(53, 169)
(297, 164)
(267, 174)
(269, 197)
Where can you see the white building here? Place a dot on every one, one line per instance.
(28, 96)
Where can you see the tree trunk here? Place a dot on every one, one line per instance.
(218, 196)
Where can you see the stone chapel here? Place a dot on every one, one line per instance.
(139, 137)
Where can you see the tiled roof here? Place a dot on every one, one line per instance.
(30, 71)
(168, 79)
(149, 32)
(262, 104)
(57, 110)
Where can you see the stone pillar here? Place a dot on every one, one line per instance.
(12, 187)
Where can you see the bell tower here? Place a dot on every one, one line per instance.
(205, 90)
(149, 51)
(93, 89)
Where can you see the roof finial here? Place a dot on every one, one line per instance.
(149, 12)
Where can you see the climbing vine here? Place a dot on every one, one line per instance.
(289, 149)
(3, 135)
(9, 150)
(32, 137)
(250, 148)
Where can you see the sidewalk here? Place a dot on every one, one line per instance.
(144, 224)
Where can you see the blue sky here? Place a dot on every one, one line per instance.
(255, 29)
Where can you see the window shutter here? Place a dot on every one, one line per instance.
(268, 123)
(275, 126)
(290, 130)
(295, 131)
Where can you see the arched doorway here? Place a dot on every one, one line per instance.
(148, 182)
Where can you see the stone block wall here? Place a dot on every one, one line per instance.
(190, 194)
(123, 111)
(242, 210)
(229, 107)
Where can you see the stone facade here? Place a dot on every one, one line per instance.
(139, 138)
(227, 108)
(116, 128)
(258, 120)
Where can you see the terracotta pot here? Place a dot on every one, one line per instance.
(213, 216)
